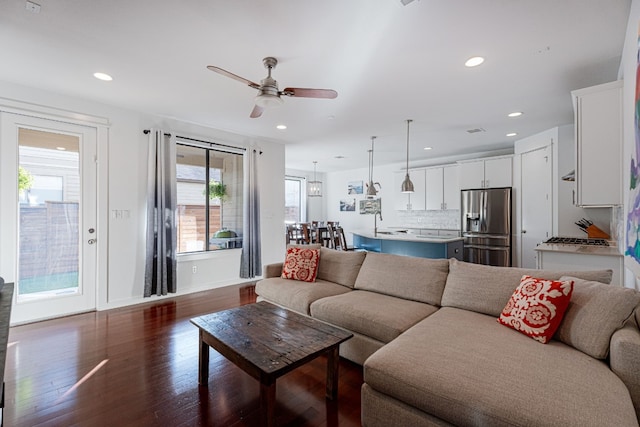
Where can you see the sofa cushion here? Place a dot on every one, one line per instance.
(536, 307)
(466, 369)
(296, 295)
(378, 316)
(341, 267)
(301, 264)
(486, 289)
(417, 279)
(595, 312)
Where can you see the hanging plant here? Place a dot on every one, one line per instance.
(25, 179)
(217, 190)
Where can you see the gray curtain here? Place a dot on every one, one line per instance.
(250, 261)
(160, 263)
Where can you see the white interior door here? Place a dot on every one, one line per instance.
(536, 198)
(48, 215)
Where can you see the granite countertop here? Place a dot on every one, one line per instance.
(580, 249)
(390, 234)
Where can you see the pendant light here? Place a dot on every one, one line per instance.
(371, 186)
(314, 189)
(407, 185)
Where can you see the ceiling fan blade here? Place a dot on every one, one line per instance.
(233, 76)
(256, 112)
(310, 93)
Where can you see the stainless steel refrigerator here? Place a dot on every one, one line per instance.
(486, 225)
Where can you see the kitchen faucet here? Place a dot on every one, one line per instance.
(375, 222)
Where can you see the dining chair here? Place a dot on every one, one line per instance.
(343, 240)
(334, 240)
(292, 234)
(305, 233)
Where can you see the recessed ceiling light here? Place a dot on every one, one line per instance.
(512, 134)
(515, 114)
(281, 127)
(103, 76)
(61, 148)
(474, 61)
(428, 148)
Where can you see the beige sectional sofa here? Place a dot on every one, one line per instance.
(425, 331)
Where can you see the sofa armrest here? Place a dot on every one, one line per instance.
(272, 270)
(624, 358)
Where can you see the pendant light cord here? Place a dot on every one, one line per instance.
(408, 122)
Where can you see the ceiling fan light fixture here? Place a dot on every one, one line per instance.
(267, 100)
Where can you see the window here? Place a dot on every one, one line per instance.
(295, 209)
(209, 185)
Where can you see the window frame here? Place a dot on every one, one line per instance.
(207, 148)
(302, 197)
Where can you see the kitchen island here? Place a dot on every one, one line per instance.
(403, 243)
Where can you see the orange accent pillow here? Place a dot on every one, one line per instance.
(301, 264)
(537, 306)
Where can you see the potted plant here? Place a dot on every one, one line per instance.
(217, 190)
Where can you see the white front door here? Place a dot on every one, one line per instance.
(536, 203)
(48, 215)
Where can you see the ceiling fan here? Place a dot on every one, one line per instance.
(269, 95)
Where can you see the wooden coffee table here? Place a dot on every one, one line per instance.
(266, 342)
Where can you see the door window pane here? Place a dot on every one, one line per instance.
(48, 187)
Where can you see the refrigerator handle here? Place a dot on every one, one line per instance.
(483, 210)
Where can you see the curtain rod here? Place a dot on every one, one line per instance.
(211, 143)
(146, 131)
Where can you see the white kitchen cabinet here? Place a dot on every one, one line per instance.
(435, 189)
(581, 258)
(451, 187)
(443, 191)
(410, 201)
(486, 173)
(598, 138)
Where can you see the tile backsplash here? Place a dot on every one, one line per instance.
(449, 219)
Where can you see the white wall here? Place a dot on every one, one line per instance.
(122, 283)
(336, 190)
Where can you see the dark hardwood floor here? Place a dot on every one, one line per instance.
(138, 366)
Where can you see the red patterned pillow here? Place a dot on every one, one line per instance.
(537, 306)
(301, 264)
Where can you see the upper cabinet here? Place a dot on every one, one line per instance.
(451, 187)
(410, 201)
(486, 173)
(435, 188)
(598, 138)
(443, 191)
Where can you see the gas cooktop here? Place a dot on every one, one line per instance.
(577, 241)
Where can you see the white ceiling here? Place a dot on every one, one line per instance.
(387, 62)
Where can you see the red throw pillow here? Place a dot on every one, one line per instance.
(301, 264)
(537, 306)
